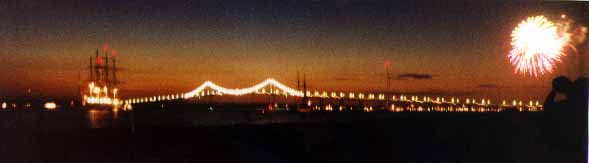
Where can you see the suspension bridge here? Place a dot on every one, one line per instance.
(330, 100)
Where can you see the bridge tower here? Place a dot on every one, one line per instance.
(298, 82)
(305, 105)
(273, 96)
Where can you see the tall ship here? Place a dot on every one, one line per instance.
(100, 90)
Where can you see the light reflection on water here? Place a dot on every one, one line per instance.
(99, 118)
(108, 118)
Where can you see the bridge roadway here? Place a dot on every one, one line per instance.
(328, 101)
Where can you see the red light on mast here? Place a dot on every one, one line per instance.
(105, 47)
(387, 64)
(114, 53)
(99, 60)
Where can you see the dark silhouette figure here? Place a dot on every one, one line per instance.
(580, 116)
(581, 90)
(564, 119)
(560, 86)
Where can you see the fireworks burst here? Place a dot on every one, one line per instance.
(537, 46)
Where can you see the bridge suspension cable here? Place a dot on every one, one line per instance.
(243, 91)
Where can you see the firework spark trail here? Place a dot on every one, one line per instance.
(537, 46)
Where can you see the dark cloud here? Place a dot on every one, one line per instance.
(416, 76)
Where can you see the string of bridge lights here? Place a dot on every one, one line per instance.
(243, 91)
(260, 88)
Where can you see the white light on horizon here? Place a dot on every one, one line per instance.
(50, 105)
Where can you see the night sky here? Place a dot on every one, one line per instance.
(435, 47)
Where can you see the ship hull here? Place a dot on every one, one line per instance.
(98, 107)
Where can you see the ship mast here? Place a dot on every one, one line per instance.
(91, 77)
(114, 68)
(97, 67)
(106, 68)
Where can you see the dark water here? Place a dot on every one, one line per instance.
(58, 120)
(103, 118)
(247, 136)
